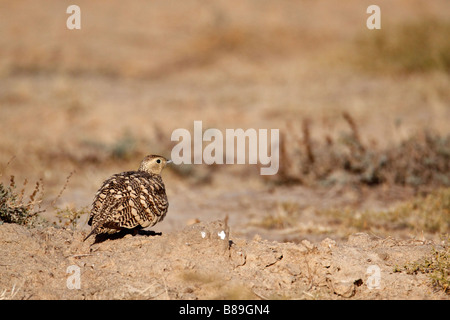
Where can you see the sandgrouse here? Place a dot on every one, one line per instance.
(132, 199)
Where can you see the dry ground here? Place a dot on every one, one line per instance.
(93, 102)
(205, 261)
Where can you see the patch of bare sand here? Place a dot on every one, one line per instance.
(206, 261)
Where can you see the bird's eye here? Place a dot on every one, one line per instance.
(158, 161)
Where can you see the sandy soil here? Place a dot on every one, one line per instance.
(205, 261)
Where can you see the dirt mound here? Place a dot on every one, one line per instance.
(205, 261)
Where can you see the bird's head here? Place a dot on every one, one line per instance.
(153, 164)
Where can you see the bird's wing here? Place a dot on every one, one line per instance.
(149, 201)
(102, 199)
(129, 199)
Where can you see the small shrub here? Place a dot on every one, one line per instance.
(15, 209)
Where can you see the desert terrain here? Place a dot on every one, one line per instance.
(360, 205)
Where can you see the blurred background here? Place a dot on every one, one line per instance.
(363, 114)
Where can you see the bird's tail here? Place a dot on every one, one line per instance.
(93, 231)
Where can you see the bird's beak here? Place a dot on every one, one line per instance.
(169, 161)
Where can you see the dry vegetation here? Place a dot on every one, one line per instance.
(14, 208)
(422, 160)
(419, 46)
(436, 265)
(365, 143)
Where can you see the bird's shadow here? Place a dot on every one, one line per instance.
(122, 233)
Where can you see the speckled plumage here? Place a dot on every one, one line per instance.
(130, 199)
